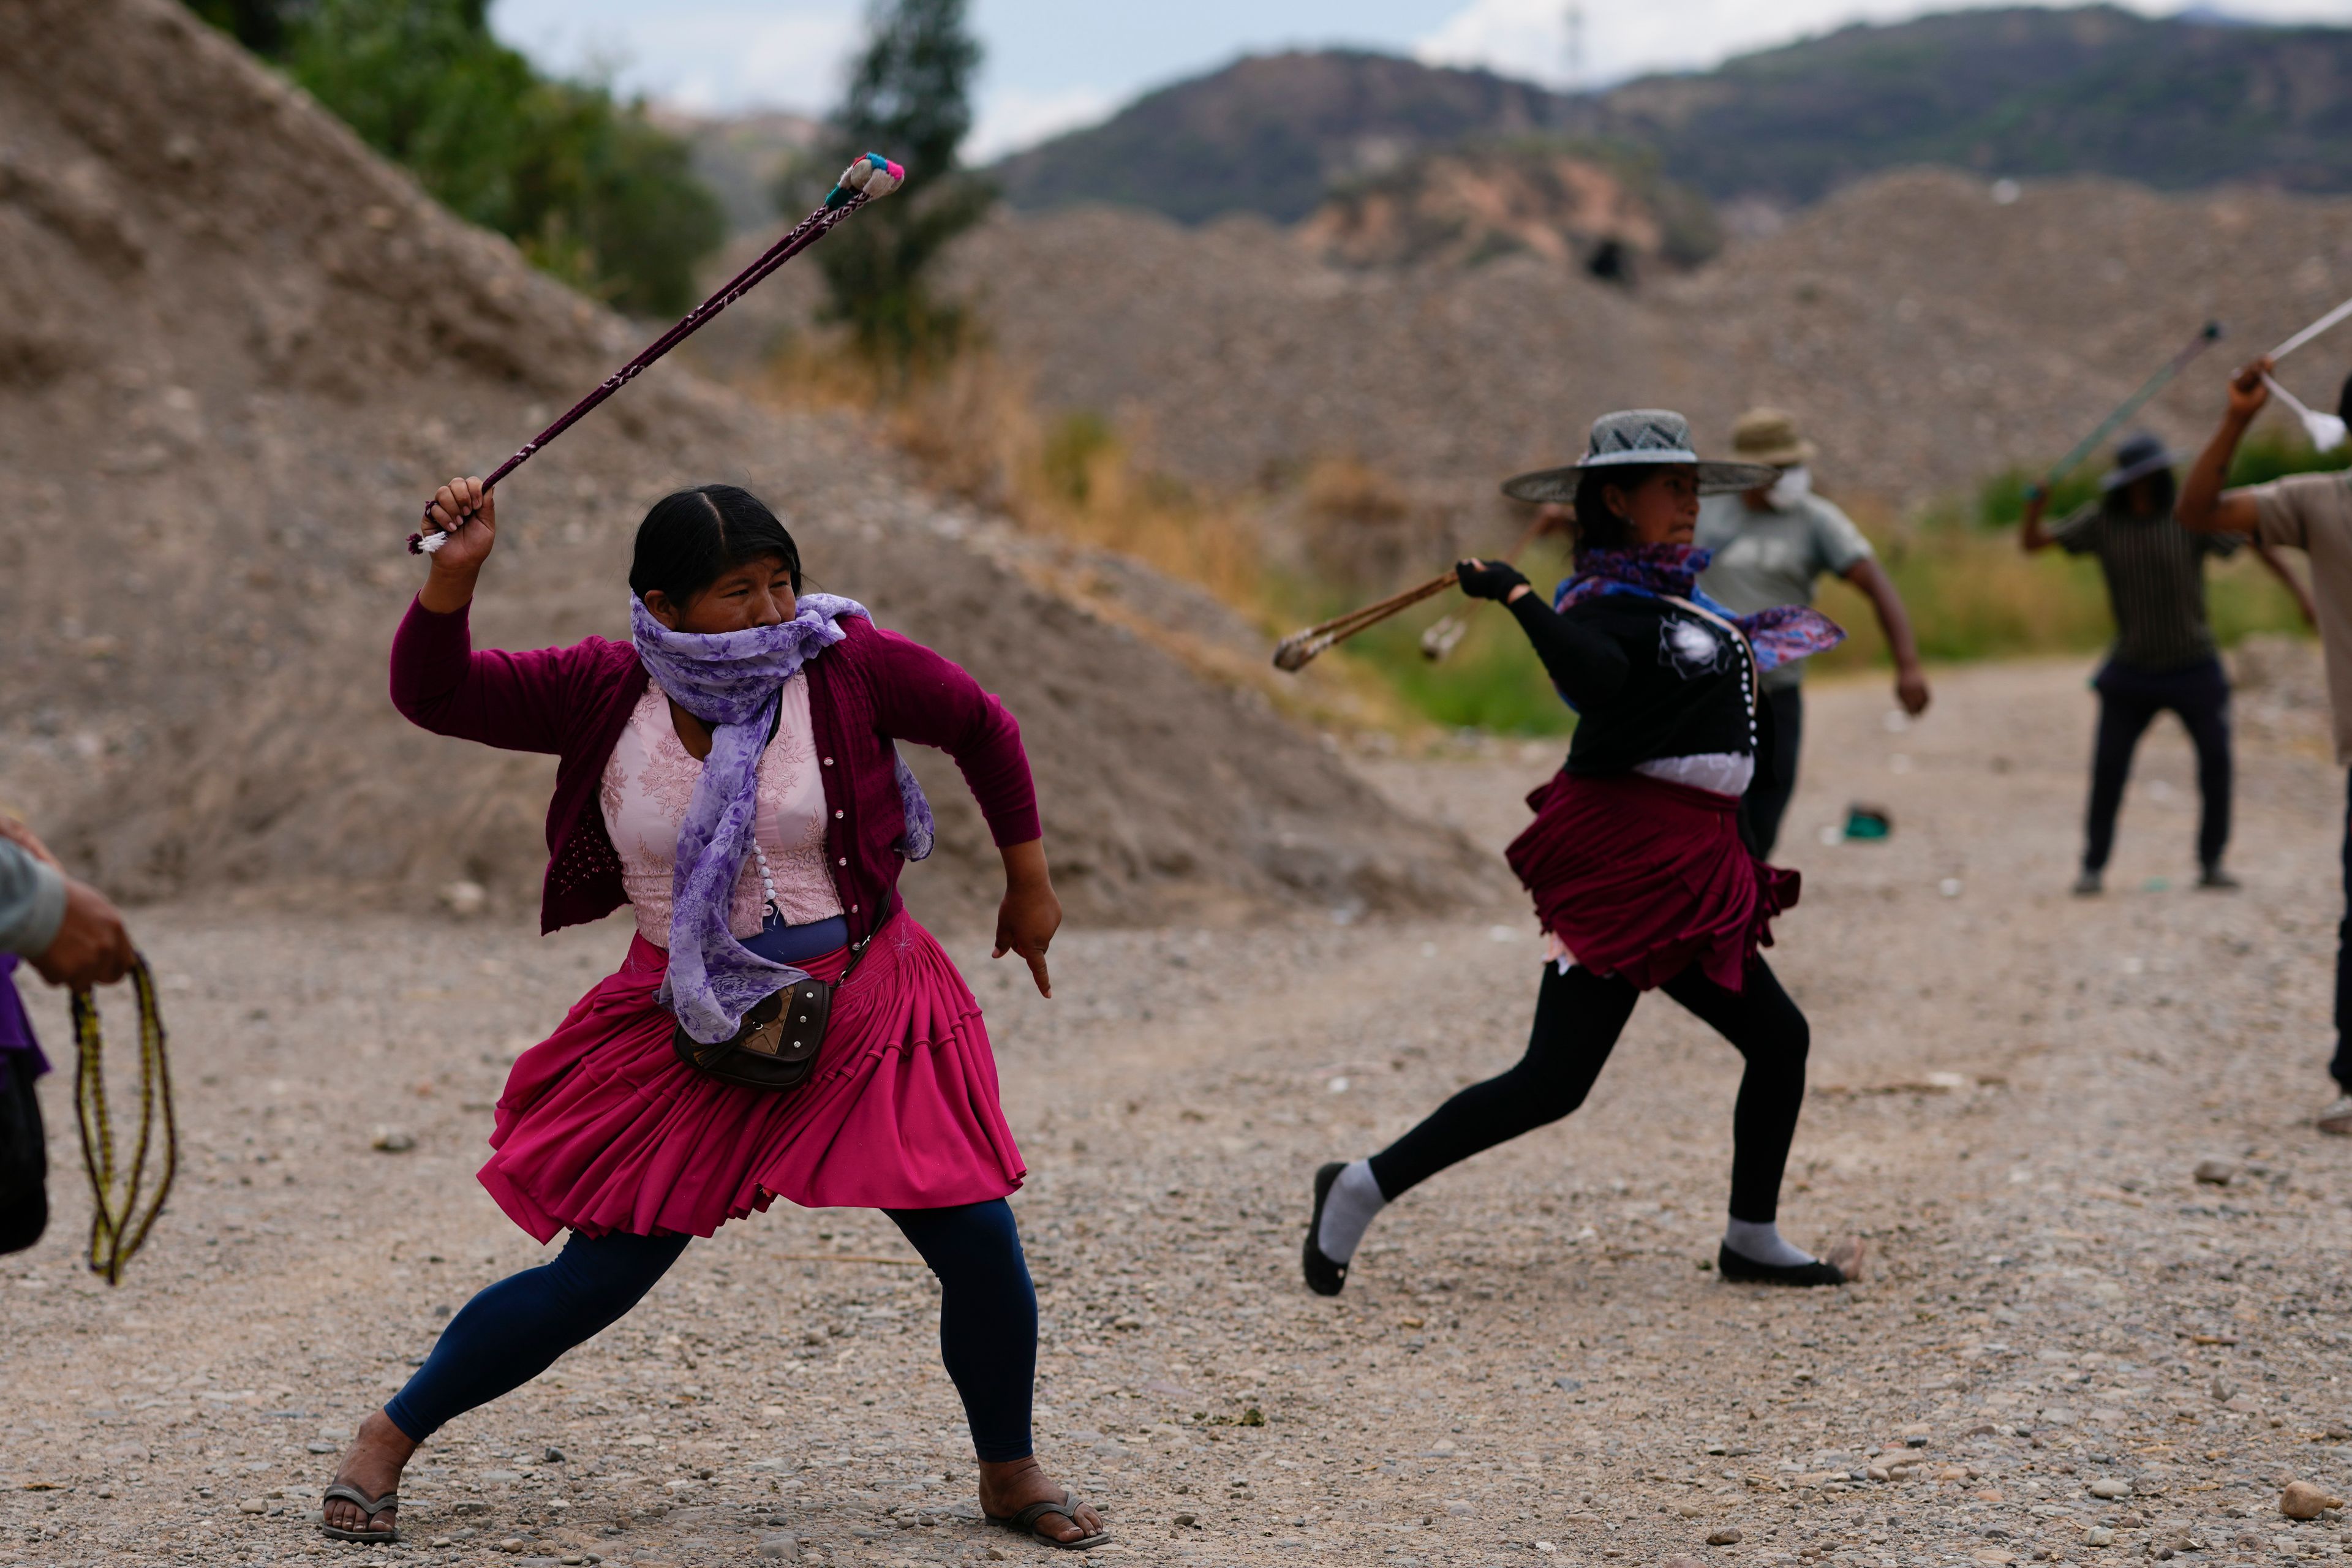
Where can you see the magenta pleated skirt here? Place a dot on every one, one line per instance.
(602, 1129)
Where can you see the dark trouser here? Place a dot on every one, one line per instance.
(1578, 1017)
(513, 1330)
(2129, 701)
(1780, 726)
(2342, 1066)
(24, 1155)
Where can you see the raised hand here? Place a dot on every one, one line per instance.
(467, 513)
(2250, 390)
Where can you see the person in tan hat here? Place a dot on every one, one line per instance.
(1771, 545)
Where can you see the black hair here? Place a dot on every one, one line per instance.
(2344, 402)
(2162, 491)
(1598, 526)
(690, 537)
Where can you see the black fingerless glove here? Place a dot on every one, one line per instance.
(1494, 580)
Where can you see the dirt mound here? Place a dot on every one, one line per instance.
(235, 349)
(1568, 204)
(1927, 331)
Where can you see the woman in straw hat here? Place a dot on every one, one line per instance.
(1634, 860)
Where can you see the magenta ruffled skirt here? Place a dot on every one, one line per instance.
(602, 1129)
(1643, 878)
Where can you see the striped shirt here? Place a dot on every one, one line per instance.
(2155, 581)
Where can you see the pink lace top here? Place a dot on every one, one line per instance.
(646, 790)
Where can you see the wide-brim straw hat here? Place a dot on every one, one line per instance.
(1770, 436)
(1637, 438)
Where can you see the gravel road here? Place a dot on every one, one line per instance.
(2072, 1347)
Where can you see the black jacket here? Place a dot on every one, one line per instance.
(1648, 680)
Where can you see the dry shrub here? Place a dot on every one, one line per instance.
(1344, 492)
(973, 427)
(1362, 528)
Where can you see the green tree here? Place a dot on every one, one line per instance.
(261, 25)
(909, 98)
(590, 190)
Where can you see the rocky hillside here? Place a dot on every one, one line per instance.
(2176, 102)
(1270, 135)
(1928, 331)
(235, 352)
(1578, 204)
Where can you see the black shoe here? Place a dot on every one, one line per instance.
(2216, 881)
(2089, 885)
(1323, 1276)
(1742, 1270)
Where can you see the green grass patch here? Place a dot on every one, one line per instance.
(1493, 681)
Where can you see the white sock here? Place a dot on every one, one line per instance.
(1762, 1244)
(1348, 1211)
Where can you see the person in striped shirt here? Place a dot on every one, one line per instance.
(2164, 656)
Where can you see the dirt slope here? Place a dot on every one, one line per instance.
(1928, 332)
(235, 350)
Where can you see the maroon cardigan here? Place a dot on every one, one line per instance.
(865, 691)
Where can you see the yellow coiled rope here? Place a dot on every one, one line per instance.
(118, 1222)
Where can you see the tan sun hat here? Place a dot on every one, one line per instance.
(1770, 436)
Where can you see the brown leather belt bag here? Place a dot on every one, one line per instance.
(776, 1048)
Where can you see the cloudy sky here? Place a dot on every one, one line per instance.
(1055, 64)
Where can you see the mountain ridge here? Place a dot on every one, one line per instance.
(2174, 103)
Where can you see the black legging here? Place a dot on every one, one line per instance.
(1578, 1017)
(514, 1330)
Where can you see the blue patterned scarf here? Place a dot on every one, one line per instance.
(731, 681)
(1781, 635)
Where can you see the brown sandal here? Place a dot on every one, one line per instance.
(1025, 1522)
(341, 1492)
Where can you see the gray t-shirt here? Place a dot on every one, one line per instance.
(2313, 513)
(1764, 559)
(32, 902)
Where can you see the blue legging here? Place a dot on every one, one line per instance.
(513, 1330)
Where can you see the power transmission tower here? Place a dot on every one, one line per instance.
(1574, 29)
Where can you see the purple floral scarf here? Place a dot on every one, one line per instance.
(1781, 635)
(730, 681)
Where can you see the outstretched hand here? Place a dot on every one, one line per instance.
(1911, 690)
(1488, 579)
(1031, 912)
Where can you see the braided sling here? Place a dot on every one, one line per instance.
(119, 1223)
